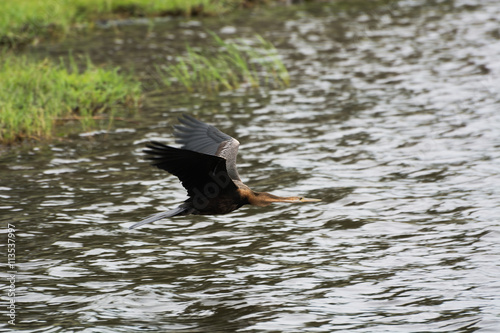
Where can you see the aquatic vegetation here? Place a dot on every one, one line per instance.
(37, 95)
(25, 21)
(233, 63)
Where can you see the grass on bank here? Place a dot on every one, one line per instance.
(23, 21)
(234, 63)
(35, 95)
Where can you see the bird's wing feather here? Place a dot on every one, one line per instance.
(198, 172)
(197, 136)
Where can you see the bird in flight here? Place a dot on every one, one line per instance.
(206, 167)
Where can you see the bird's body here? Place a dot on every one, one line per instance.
(206, 166)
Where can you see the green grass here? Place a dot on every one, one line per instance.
(234, 63)
(24, 21)
(37, 95)
(28, 21)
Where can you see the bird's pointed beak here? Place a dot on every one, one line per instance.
(298, 199)
(308, 200)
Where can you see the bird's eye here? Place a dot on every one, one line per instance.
(301, 198)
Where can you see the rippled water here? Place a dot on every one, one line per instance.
(392, 118)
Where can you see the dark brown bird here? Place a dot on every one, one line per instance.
(206, 166)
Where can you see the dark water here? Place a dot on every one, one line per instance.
(392, 118)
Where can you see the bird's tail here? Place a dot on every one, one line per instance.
(181, 210)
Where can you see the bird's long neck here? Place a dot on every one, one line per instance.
(263, 198)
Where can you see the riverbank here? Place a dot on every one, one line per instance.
(37, 96)
(31, 21)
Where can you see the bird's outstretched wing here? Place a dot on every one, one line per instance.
(197, 136)
(203, 176)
